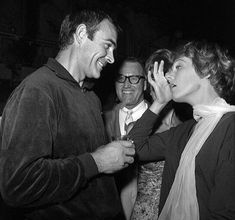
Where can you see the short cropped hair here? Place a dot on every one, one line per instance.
(90, 18)
(132, 60)
(212, 61)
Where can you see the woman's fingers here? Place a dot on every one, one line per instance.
(160, 69)
(150, 79)
(154, 77)
(159, 83)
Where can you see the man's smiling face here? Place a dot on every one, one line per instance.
(131, 94)
(98, 52)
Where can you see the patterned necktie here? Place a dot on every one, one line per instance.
(128, 121)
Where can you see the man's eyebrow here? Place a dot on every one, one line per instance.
(113, 42)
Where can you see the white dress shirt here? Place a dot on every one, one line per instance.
(137, 113)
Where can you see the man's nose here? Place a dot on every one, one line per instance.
(127, 83)
(110, 57)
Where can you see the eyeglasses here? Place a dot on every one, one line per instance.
(134, 79)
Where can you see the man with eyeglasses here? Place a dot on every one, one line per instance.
(130, 85)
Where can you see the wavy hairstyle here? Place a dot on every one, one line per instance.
(214, 62)
(162, 54)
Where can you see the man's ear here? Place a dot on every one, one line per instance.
(81, 33)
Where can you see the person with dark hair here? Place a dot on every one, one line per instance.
(150, 174)
(55, 159)
(199, 172)
(130, 85)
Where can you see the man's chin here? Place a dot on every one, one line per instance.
(127, 97)
(95, 75)
(127, 102)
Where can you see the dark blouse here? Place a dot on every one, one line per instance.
(214, 165)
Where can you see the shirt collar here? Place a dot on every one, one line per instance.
(63, 73)
(136, 108)
(59, 70)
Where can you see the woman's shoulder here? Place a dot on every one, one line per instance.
(227, 119)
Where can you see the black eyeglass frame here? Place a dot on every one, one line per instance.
(130, 78)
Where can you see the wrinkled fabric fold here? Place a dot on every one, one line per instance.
(181, 203)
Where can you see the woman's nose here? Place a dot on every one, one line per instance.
(169, 76)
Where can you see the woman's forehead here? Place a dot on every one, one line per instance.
(183, 59)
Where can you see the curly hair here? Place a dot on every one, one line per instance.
(212, 61)
(162, 54)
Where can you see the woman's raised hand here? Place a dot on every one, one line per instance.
(160, 84)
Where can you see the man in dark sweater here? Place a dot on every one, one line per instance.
(55, 161)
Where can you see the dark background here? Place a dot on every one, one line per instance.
(29, 31)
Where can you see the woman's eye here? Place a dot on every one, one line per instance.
(178, 67)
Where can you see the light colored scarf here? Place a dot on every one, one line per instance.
(181, 203)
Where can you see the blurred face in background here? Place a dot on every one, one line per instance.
(131, 84)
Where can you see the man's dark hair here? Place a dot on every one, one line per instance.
(90, 18)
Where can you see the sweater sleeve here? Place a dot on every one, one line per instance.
(148, 147)
(222, 196)
(29, 174)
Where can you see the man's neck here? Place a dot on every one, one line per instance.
(66, 59)
(136, 106)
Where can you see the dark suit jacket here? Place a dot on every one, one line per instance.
(113, 130)
(112, 122)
